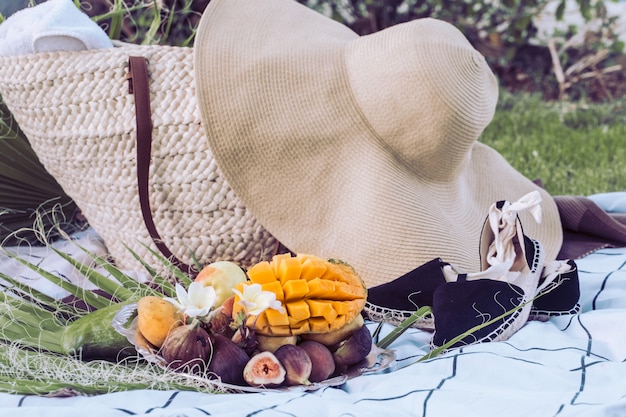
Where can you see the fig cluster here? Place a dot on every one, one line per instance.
(242, 357)
(308, 360)
(235, 354)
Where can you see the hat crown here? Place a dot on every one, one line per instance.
(425, 91)
(357, 148)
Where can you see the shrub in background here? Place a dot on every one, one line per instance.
(504, 31)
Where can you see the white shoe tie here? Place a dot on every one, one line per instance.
(501, 253)
(550, 272)
(505, 227)
(498, 272)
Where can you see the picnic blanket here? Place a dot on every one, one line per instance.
(573, 365)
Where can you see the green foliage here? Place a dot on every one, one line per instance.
(28, 194)
(367, 16)
(169, 22)
(574, 148)
(508, 23)
(504, 32)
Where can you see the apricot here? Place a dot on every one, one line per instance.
(156, 317)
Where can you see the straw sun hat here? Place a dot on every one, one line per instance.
(358, 148)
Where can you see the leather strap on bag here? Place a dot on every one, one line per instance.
(139, 86)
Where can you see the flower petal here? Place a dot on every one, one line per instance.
(198, 301)
(197, 312)
(181, 294)
(277, 305)
(251, 291)
(201, 296)
(175, 302)
(238, 293)
(255, 301)
(262, 302)
(247, 305)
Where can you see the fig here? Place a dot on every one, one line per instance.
(354, 349)
(227, 360)
(297, 364)
(333, 338)
(245, 338)
(221, 323)
(323, 363)
(271, 343)
(227, 306)
(156, 317)
(186, 349)
(223, 276)
(264, 370)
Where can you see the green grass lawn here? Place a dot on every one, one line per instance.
(574, 148)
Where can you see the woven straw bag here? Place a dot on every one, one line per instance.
(81, 119)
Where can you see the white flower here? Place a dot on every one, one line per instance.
(255, 301)
(197, 302)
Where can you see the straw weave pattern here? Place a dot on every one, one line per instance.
(76, 110)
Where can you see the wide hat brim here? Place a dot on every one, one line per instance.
(358, 148)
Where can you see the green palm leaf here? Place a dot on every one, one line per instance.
(27, 190)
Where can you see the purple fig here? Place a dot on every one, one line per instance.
(323, 363)
(264, 370)
(245, 338)
(297, 364)
(354, 349)
(186, 349)
(220, 323)
(227, 360)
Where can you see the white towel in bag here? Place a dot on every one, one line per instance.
(55, 25)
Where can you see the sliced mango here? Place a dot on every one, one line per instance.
(276, 318)
(261, 273)
(341, 308)
(298, 310)
(295, 289)
(276, 288)
(322, 289)
(318, 295)
(277, 261)
(322, 309)
(319, 325)
(289, 269)
(341, 321)
(312, 268)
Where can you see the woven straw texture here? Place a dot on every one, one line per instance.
(76, 110)
(370, 143)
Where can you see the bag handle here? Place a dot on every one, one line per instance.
(138, 85)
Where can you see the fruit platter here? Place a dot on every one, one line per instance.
(292, 323)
